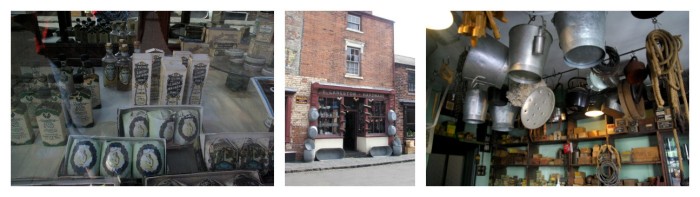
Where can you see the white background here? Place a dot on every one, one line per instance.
(409, 40)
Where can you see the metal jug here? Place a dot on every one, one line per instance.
(527, 55)
(488, 60)
(503, 117)
(581, 37)
(475, 106)
(577, 96)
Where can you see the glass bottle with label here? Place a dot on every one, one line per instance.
(81, 105)
(130, 34)
(65, 76)
(124, 65)
(114, 34)
(29, 98)
(91, 82)
(49, 116)
(21, 129)
(109, 63)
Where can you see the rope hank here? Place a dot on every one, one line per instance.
(662, 54)
(609, 165)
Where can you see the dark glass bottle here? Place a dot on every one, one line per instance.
(124, 65)
(109, 64)
(91, 81)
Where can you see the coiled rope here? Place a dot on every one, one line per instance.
(662, 54)
(611, 66)
(608, 170)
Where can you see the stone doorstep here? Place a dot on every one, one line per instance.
(348, 166)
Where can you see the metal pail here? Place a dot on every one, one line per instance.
(581, 37)
(527, 53)
(488, 59)
(475, 106)
(503, 117)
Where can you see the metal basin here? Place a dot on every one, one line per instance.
(380, 151)
(475, 106)
(581, 37)
(330, 154)
(488, 59)
(503, 117)
(527, 55)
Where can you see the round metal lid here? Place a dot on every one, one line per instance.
(312, 132)
(309, 144)
(537, 108)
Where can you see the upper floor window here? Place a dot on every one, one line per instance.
(411, 81)
(352, 56)
(354, 22)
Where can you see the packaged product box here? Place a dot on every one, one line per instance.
(645, 154)
(173, 81)
(196, 77)
(221, 34)
(156, 62)
(264, 31)
(194, 47)
(141, 81)
(262, 50)
(185, 57)
(218, 48)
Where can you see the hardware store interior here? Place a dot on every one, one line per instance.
(558, 99)
(142, 98)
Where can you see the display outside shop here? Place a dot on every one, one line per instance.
(178, 126)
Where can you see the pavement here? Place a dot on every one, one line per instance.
(346, 163)
(397, 174)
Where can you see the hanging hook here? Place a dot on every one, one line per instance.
(532, 18)
(474, 83)
(544, 23)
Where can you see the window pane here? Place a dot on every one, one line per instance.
(411, 82)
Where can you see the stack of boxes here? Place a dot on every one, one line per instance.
(262, 46)
(579, 178)
(585, 156)
(168, 80)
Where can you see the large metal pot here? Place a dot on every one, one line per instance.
(581, 37)
(489, 59)
(527, 53)
(600, 82)
(577, 95)
(503, 117)
(475, 106)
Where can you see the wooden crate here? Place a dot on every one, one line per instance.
(629, 182)
(410, 150)
(645, 154)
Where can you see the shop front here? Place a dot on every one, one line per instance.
(350, 119)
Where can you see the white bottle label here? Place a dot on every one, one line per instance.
(51, 126)
(81, 110)
(110, 71)
(21, 130)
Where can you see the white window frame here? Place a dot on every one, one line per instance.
(359, 25)
(355, 44)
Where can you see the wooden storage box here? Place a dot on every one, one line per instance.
(629, 182)
(645, 154)
(584, 160)
(626, 156)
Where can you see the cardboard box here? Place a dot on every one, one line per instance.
(224, 35)
(173, 81)
(593, 133)
(578, 130)
(141, 81)
(262, 50)
(197, 72)
(584, 160)
(410, 150)
(645, 154)
(218, 49)
(195, 47)
(185, 57)
(121, 131)
(579, 181)
(629, 182)
(156, 64)
(626, 156)
(264, 31)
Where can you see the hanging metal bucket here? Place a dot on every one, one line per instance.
(489, 59)
(581, 37)
(527, 55)
(503, 117)
(600, 82)
(475, 106)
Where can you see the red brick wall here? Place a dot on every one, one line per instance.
(323, 49)
(401, 88)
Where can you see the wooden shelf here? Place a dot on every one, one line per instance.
(579, 165)
(511, 165)
(589, 139)
(462, 141)
(546, 165)
(511, 145)
(642, 163)
(549, 142)
(627, 135)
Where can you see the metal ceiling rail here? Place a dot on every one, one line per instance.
(573, 69)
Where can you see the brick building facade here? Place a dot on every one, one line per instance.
(404, 85)
(340, 64)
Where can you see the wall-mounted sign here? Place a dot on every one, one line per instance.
(302, 99)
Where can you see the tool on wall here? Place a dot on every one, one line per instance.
(665, 67)
(609, 165)
(474, 24)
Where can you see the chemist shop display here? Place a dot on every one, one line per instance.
(566, 98)
(106, 101)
